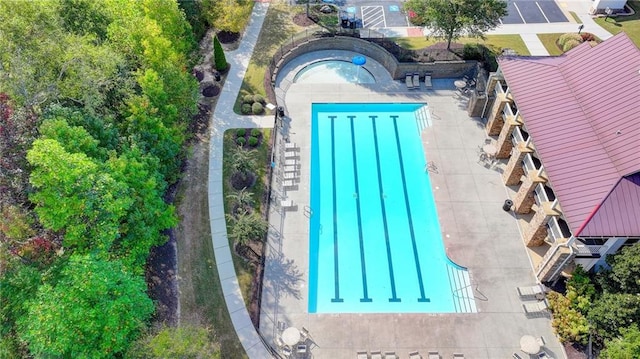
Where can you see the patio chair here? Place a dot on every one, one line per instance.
(531, 292)
(544, 355)
(416, 80)
(536, 309)
(289, 146)
(427, 80)
(301, 349)
(279, 342)
(304, 334)
(290, 162)
(362, 355)
(541, 341)
(415, 355)
(290, 154)
(434, 355)
(286, 203)
(288, 183)
(286, 351)
(458, 356)
(516, 356)
(408, 81)
(376, 355)
(291, 168)
(390, 355)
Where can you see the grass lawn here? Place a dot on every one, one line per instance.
(575, 17)
(628, 24)
(549, 42)
(277, 28)
(494, 42)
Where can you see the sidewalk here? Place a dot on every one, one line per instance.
(222, 119)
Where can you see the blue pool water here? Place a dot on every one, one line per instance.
(334, 72)
(375, 240)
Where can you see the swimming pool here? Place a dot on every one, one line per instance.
(334, 71)
(374, 238)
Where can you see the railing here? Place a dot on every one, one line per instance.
(555, 233)
(527, 163)
(589, 250)
(498, 89)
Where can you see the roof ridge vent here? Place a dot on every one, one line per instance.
(619, 132)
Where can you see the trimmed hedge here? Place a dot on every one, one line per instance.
(257, 108)
(253, 141)
(245, 109)
(241, 132)
(241, 141)
(255, 132)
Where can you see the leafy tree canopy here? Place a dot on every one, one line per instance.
(624, 275)
(627, 346)
(95, 310)
(613, 312)
(451, 19)
(75, 196)
(228, 15)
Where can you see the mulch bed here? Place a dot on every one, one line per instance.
(302, 20)
(227, 37)
(210, 91)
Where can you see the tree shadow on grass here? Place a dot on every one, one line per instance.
(276, 30)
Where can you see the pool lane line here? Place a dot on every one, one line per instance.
(422, 298)
(394, 297)
(336, 298)
(363, 268)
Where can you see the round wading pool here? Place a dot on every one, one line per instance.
(332, 72)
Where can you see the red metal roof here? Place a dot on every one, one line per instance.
(583, 114)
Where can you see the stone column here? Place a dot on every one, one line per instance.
(536, 232)
(504, 140)
(496, 118)
(524, 199)
(558, 256)
(513, 171)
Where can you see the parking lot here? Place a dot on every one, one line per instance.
(533, 12)
(381, 14)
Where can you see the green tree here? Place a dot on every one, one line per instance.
(175, 343)
(148, 214)
(243, 161)
(75, 139)
(73, 195)
(247, 227)
(450, 19)
(624, 275)
(228, 15)
(95, 310)
(568, 322)
(220, 61)
(627, 346)
(614, 311)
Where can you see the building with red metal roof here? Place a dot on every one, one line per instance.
(569, 126)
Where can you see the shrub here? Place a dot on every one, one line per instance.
(253, 141)
(570, 44)
(245, 109)
(562, 40)
(471, 52)
(241, 141)
(241, 132)
(257, 108)
(258, 98)
(220, 61)
(255, 132)
(587, 36)
(247, 99)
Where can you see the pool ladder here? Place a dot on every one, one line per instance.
(308, 212)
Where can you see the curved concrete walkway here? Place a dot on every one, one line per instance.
(222, 119)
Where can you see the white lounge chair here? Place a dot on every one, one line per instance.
(289, 175)
(427, 81)
(434, 355)
(458, 356)
(390, 355)
(532, 292)
(362, 355)
(416, 80)
(290, 162)
(376, 355)
(415, 355)
(536, 309)
(286, 203)
(289, 146)
(408, 81)
(288, 183)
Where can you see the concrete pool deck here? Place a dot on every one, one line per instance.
(477, 233)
